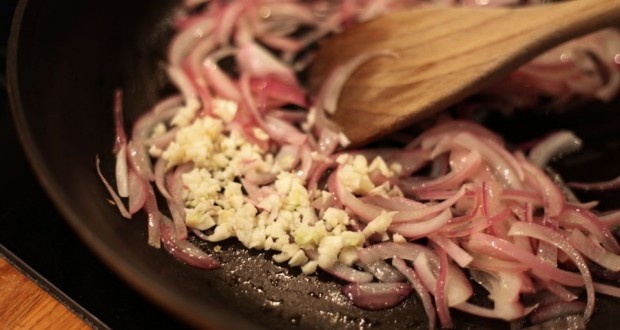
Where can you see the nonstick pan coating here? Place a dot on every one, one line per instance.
(66, 57)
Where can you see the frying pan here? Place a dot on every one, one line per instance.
(65, 59)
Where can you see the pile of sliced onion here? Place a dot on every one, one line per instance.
(471, 209)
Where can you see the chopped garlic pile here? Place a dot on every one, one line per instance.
(283, 219)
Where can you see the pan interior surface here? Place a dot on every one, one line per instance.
(67, 57)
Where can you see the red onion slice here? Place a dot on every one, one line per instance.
(503, 249)
(184, 250)
(593, 251)
(460, 256)
(550, 236)
(458, 289)
(555, 144)
(115, 197)
(138, 192)
(376, 296)
(415, 282)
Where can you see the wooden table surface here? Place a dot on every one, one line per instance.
(24, 305)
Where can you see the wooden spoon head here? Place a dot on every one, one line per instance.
(444, 56)
(386, 94)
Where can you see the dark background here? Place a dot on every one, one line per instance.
(35, 238)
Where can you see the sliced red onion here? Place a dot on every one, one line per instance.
(248, 115)
(487, 244)
(329, 140)
(382, 271)
(547, 252)
(422, 228)
(552, 196)
(430, 209)
(449, 128)
(491, 264)
(283, 132)
(294, 11)
(289, 156)
(120, 146)
(122, 172)
(486, 312)
(185, 40)
(555, 144)
(349, 274)
(441, 296)
(457, 286)
(587, 221)
(491, 202)
(162, 141)
(460, 256)
(559, 292)
(184, 250)
(307, 164)
(343, 271)
(467, 223)
(115, 197)
(522, 196)
(607, 289)
(162, 112)
(471, 164)
(377, 296)
(174, 185)
(255, 193)
(387, 250)
(138, 192)
(219, 81)
(119, 125)
(504, 289)
(184, 84)
(281, 43)
(548, 235)
(422, 292)
(160, 173)
(599, 185)
(255, 61)
(365, 211)
(228, 17)
(140, 160)
(392, 203)
(593, 251)
(611, 219)
(153, 218)
(178, 215)
(193, 63)
(504, 164)
(286, 92)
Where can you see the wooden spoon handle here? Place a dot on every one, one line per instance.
(559, 22)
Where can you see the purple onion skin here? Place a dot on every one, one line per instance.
(377, 296)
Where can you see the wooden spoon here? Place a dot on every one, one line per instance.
(443, 56)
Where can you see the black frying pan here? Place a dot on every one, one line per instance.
(65, 59)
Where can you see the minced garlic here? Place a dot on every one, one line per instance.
(284, 220)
